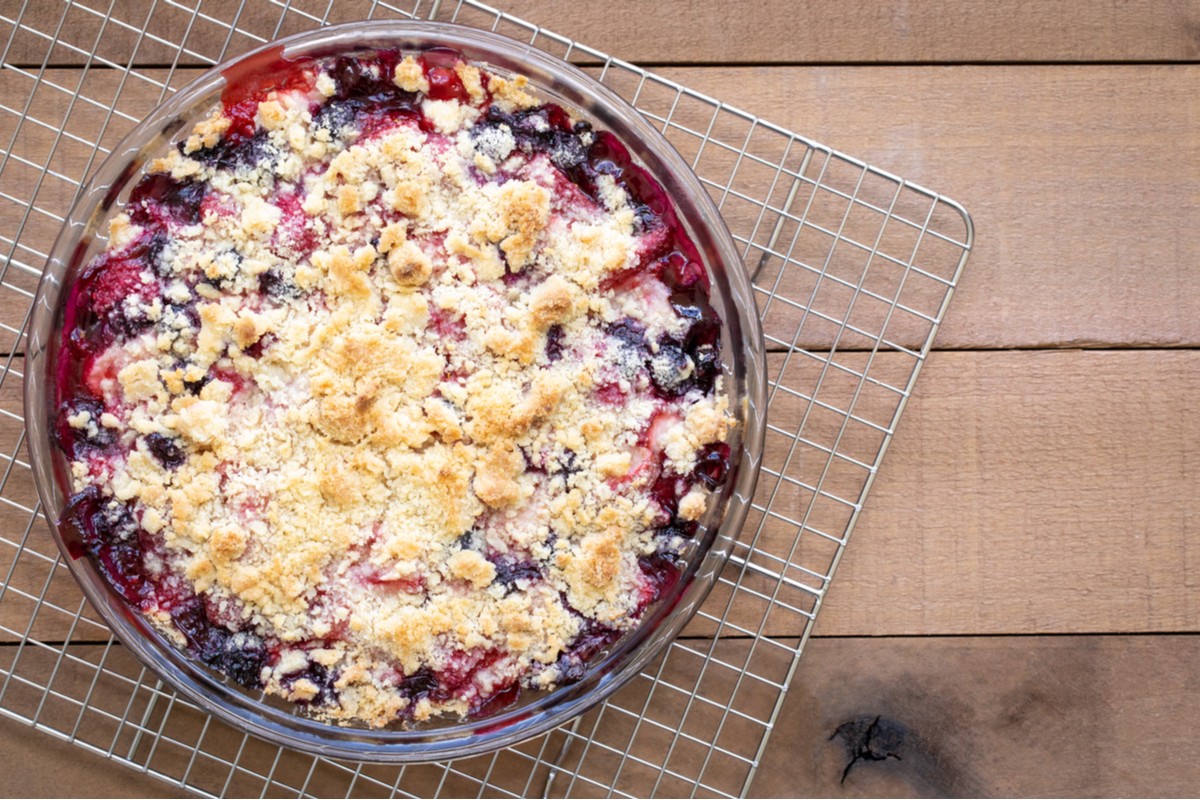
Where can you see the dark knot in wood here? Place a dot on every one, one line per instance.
(869, 739)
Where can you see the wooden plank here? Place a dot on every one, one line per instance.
(1024, 492)
(1033, 492)
(1009, 716)
(54, 768)
(829, 31)
(668, 711)
(1087, 215)
(1091, 716)
(1077, 179)
(709, 31)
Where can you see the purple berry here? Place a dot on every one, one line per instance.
(713, 465)
(671, 369)
(238, 654)
(92, 436)
(235, 153)
(242, 659)
(594, 637)
(629, 333)
(153, 254)
(470, 540)
(545, 130)
(554, 345)
(335, 115)
(364, 95)
(684, 529)
(273, 283)
(165, 449)
(661, 573)
(707, 361)
(319, 676)
(420, 684)
(566, 463)
(509, 571)
(160, 192)
(194, 387)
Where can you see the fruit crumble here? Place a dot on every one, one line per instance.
(396, 391)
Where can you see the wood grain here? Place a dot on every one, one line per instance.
(1024, 492)
(713, 31)
(1033, 492)
(1078, 716)
(1086, 229)
(1086, 216)
(55, 768)
(613, 731)
(1101, 716)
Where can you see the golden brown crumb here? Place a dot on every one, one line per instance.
(408, 265)
(373, 412)
(410, 77)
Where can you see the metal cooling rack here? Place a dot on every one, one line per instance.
(853, 271)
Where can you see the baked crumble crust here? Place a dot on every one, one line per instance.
(395, 403)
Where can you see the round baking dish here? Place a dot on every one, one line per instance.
(83, 236)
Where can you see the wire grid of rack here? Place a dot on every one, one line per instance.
(853, 270)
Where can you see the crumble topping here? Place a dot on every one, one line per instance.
(391, 409)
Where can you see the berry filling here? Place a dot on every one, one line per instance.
(396, 393)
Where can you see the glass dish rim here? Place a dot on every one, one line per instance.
(554, 80)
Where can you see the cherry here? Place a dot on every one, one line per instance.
(252, 80)
(294, 237)
(108, 281)
(499, 700)
(679, 272)
(353, 76)
(611, 394)
(666, 491)
(444, 84)
(109, 533)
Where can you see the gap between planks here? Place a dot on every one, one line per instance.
(773, 31)
(1084, 211)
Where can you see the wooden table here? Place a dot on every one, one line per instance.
(1016, 609)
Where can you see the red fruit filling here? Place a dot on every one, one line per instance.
(366, 100)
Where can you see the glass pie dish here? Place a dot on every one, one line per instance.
(115, 188)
